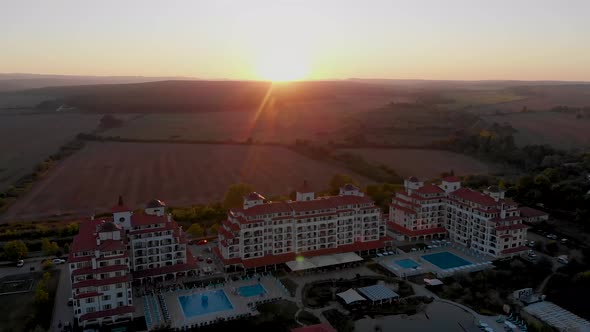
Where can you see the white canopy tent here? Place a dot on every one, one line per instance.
(323, 261)
(350, 296)
(378, 293)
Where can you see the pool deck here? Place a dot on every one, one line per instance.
(478, 263)
(242, 306)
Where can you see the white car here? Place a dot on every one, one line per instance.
(20, 263)
(58, 261)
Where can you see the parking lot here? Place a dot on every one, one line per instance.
(208, 263)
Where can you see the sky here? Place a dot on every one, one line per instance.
(299, 39)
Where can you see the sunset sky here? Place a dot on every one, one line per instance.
(298, 39)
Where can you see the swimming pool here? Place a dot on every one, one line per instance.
(204, 303)
(407, 263)
(446, 260)
(252, 290)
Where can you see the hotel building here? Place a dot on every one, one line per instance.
(486, 222)
(263, 234)
(108, 254)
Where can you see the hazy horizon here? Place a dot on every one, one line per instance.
(300, 40)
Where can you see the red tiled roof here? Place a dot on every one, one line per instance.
(313, 205)
(110, 312)
(267, 208)
(409, 232)
(90, 270)
(405, 201)
(405, 209)
(233, 226)
(429, 189)
(253, 196)
(111, 245)
(324, 327)
(413, 179)
(451, 179)
(474, 196)
(225, 233)
(529, 212)
(513, 250)
(142, 219)
(101, 282)
(511, 227)
(85, 295)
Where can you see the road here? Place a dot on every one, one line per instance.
(61, 311)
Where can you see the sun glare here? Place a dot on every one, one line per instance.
(282, 66)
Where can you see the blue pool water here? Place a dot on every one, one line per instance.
(195, 305)
(446, 260)
(407, 263)
(253, 290)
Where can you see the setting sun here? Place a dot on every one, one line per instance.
(282, 66)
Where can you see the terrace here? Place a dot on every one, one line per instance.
(197, 307)
(441, 258)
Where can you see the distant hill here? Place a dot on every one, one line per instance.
(203, 96)
(17, 81)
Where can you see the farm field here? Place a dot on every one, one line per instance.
(180, 174)
(561, 130)
(468, 98)
(26, 140)
(425, 164)
(321, 120)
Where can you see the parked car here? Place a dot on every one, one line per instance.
(532, 254)
(58, 261)
(71, 301)
(563, 259)
(200, 258)
(552, 236)
(531, 244)
(20, 263)
(531, 258)
(202, 242)
(563, 241)
(209, 261)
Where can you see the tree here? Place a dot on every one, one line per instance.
(196, 230)
(339, 180)
(234, 196)
(49, 248)
(15, 250)
(213, 229)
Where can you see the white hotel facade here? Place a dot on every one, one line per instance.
(109, 254)
(486, 222)
(264, 234)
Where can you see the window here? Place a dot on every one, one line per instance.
(119, 285)
(90, 309)
(106, 307)
(105, 288)
(121, 219)
(119, 294)
(90, 300)
(106, 297)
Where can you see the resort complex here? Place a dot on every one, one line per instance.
(139, 264)
(486, 223)
(262, 234)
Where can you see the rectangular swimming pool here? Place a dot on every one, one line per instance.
(252, 290)
(407, 263)
(204, 303)
(446, 260)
